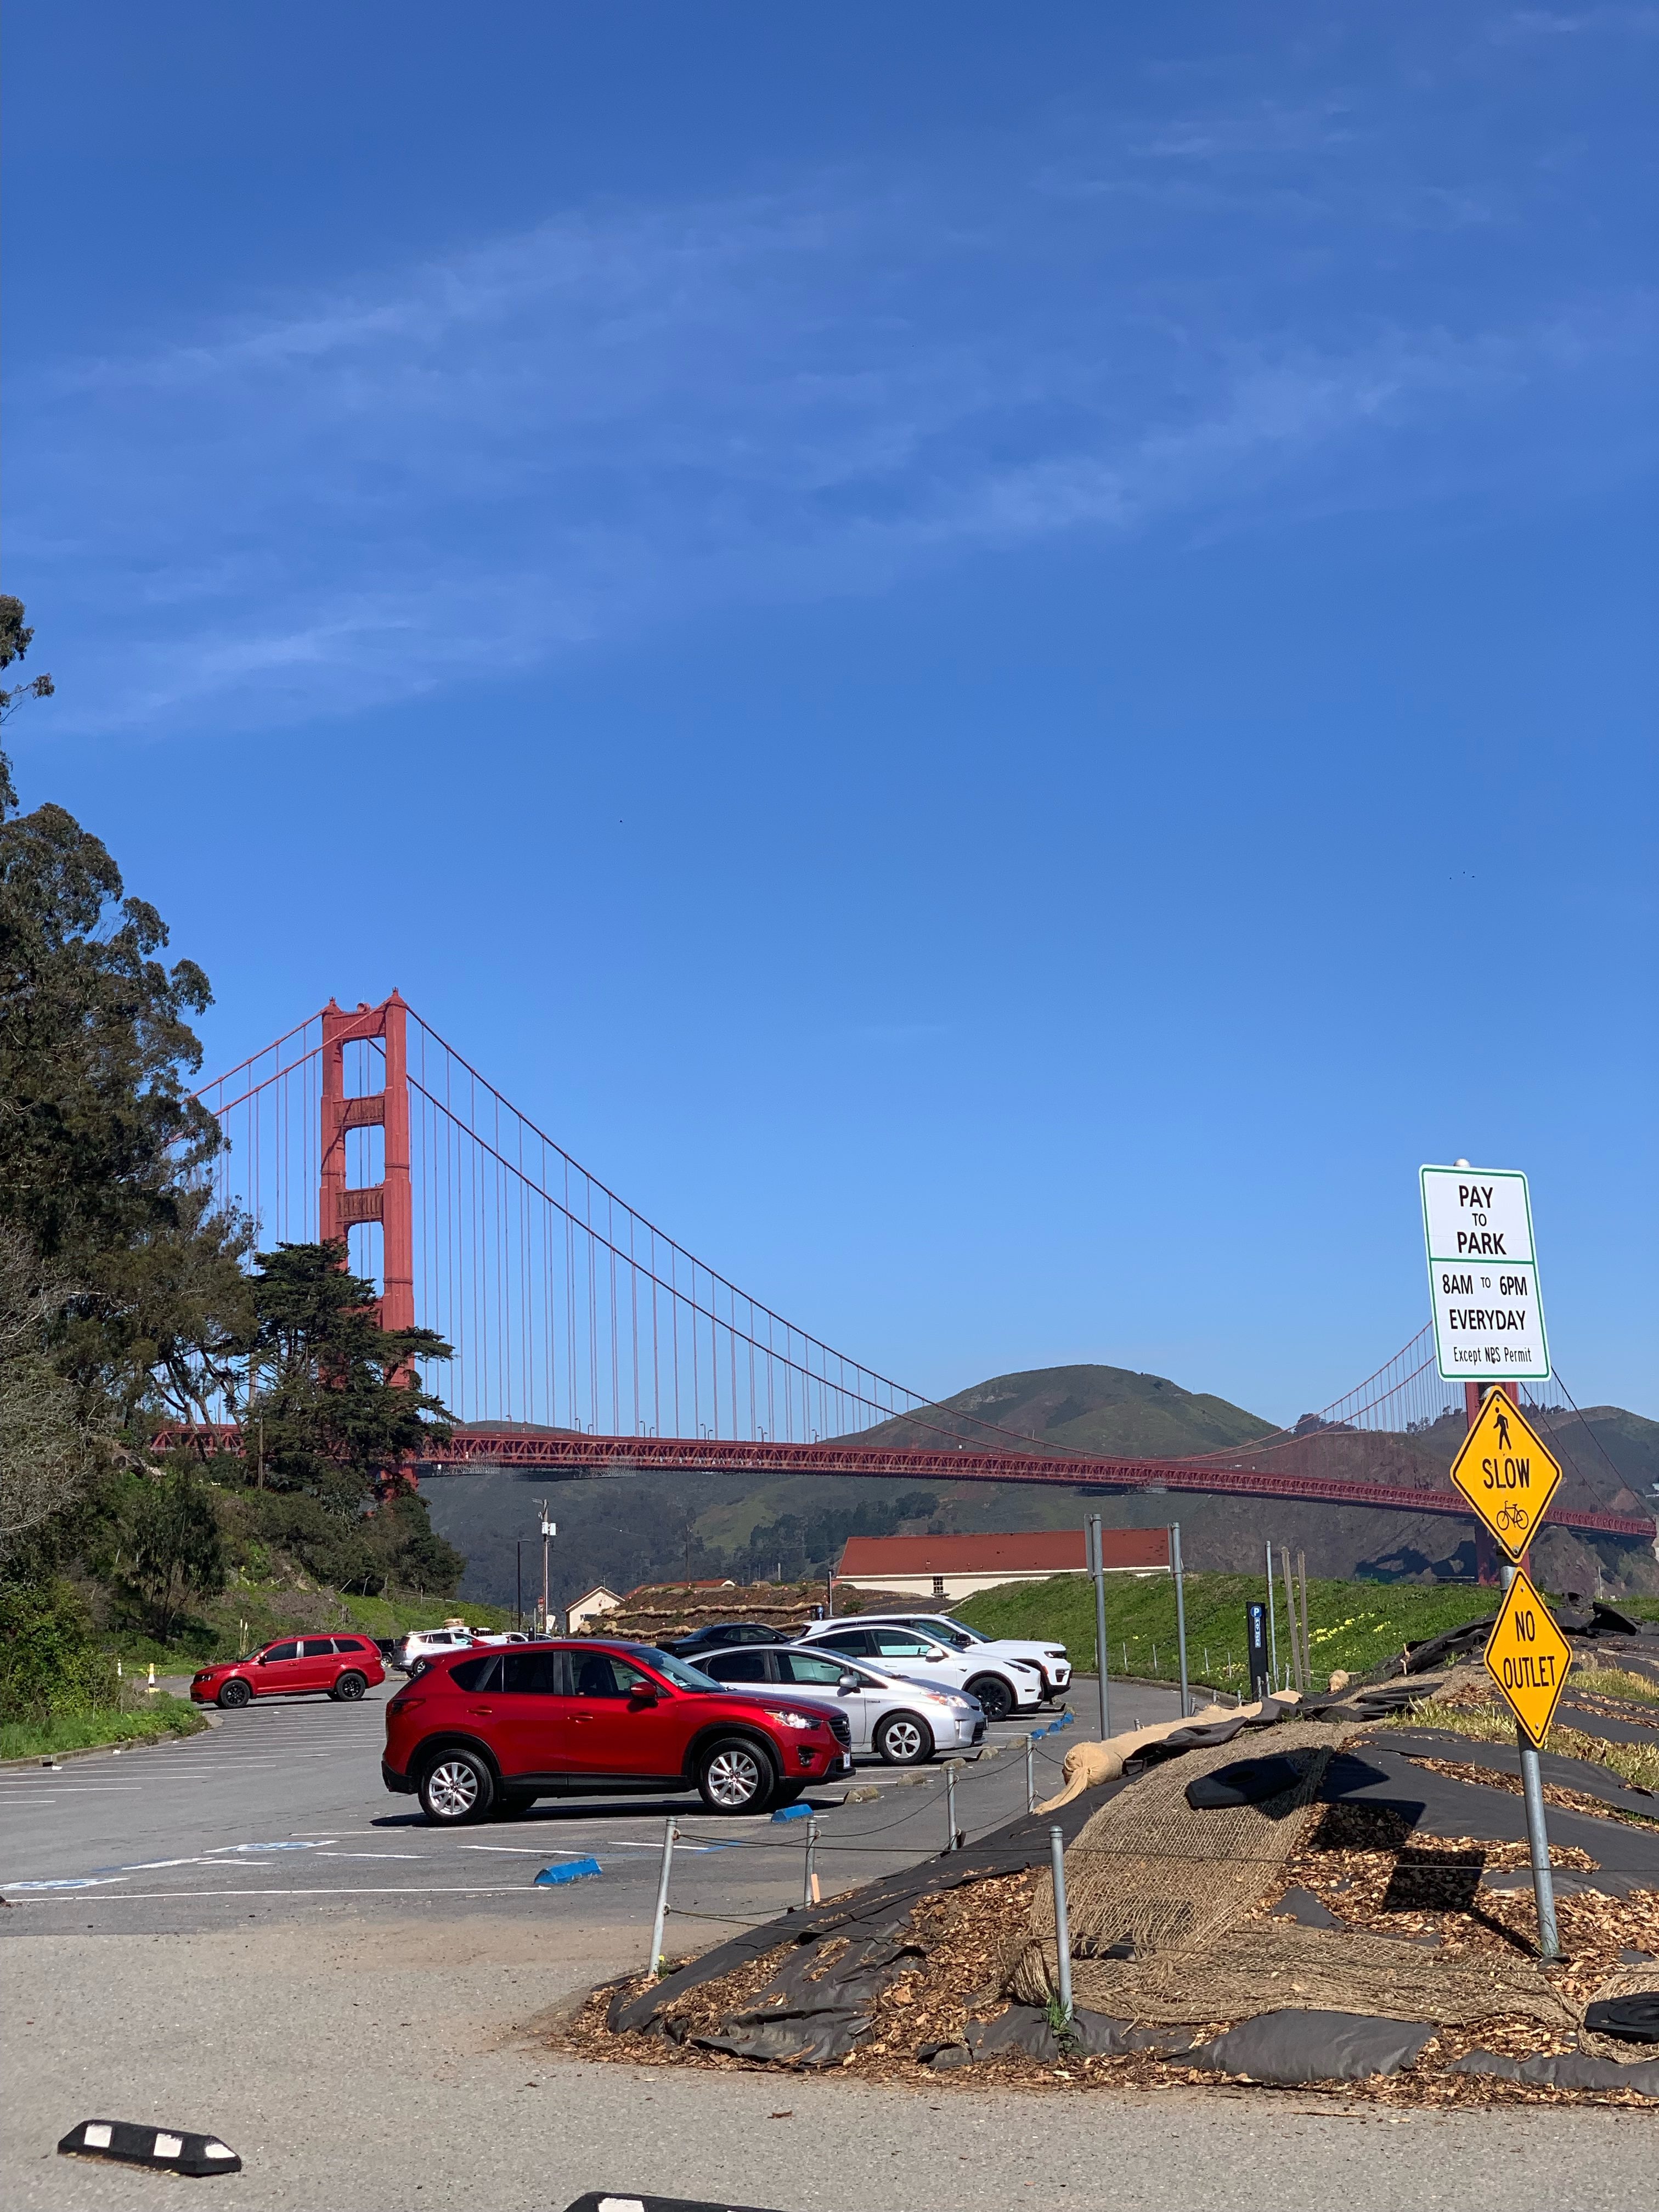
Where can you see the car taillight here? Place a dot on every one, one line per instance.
(403, 1702)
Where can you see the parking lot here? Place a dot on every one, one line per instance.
(280, 1812)
(244, 1932)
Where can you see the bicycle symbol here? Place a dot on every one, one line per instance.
(1513, 1517)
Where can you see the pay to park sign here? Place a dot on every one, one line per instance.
(1483, 1276)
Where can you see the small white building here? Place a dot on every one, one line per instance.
(591, 1605)
(949, 1569)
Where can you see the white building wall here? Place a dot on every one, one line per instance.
(956, 1588)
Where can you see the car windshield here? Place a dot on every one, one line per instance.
(676, 1670)
(959, 1632)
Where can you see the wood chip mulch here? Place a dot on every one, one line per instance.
(1354, 1858)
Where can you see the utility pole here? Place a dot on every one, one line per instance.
(550, 1529)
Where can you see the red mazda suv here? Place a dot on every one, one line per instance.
(343, 1666)
(501, 1728)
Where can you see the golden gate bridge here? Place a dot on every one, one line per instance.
(587, 1341)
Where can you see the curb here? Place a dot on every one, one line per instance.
(103, 1750)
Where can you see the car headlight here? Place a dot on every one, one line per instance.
(1056, 1651)
(790, 1720)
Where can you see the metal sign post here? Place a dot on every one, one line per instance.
(1489, 1328)
(1094, 1547)
(1181, 1612)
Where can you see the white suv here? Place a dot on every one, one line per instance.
(1053, 1660)
(1003, 1686)
(431, 1643)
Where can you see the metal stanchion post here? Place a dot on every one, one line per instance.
(668, 1834)
(809, 1894)
(1062, 1918)
(1273, 1626)
(1031, 1774)
(1181, 1612)
(950, 1803)
(1095, 1549)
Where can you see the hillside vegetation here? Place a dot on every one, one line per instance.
(1109, 1411)
(1354, 1626)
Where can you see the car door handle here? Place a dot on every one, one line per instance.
(483, 1712)
(584, 1717)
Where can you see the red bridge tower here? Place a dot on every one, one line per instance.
(390, 1201)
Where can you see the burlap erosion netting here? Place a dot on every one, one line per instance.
(1176, 1894)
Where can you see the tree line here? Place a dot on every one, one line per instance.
(130, 1299)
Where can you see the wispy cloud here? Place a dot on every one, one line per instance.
(623, 416)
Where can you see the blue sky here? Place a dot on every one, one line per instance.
(1002, 662)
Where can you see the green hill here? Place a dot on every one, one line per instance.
(1111, 1412)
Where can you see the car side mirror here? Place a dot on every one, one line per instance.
(847, 1682)
(643, 1693)
(935, 1658)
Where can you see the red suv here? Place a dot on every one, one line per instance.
(501, 1729)
(343, 1666)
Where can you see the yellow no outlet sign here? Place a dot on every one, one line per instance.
(1527, 1657)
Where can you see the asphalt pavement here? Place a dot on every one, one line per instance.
(280, 1813)
(245, 1933)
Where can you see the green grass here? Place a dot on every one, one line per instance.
(161, 1716)
(1616, 1682)
(1350, 1624)
(270, 1610)
(1488, 1722)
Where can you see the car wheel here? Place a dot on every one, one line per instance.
(993, 1694)
(456, 1788)
(236, 1693)
(902, 1740)
(735, 1776)
(348, 1687)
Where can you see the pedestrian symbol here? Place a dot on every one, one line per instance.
(1506, 1474)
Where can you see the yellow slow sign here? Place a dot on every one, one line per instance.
(1527, 1657)
(1504, 1471)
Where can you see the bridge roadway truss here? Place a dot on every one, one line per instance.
(572, 1457)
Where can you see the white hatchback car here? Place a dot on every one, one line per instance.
(1003, 1686)
(902, 1723)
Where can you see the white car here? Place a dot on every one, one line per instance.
(896, 1720)
(432, 1643)
(1053, 1659)
(1003, 1686)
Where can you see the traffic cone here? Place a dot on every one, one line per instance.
(150, 1685)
